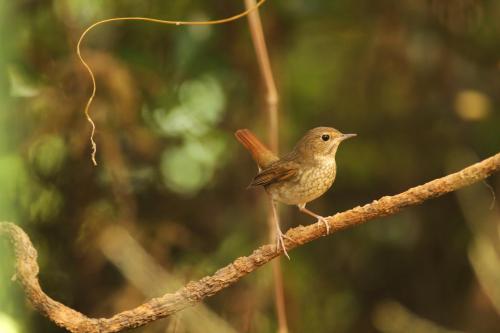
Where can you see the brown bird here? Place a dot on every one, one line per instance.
(300, 176)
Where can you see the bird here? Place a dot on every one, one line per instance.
(299, 177)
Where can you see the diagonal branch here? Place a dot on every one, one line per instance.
(194, 292)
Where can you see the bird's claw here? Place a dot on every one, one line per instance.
(280, 242)
(325, 222)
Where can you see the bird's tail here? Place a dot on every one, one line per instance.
(260, 153)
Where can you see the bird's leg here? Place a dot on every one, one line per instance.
(303, 209)
(279, 234)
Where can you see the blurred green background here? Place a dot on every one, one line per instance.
(417, 80)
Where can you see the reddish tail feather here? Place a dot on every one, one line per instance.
(260, 153)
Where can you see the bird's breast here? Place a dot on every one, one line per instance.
(310, 182)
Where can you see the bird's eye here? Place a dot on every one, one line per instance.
(325, 137)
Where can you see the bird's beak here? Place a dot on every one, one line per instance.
(347, 136)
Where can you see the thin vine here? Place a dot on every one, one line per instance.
(145, 19)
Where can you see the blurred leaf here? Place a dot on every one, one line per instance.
(392, 317)
(15, 181)
(472, 105)
(188, 168)
(201, 107)
(181, 171)
(46, 204)
(7, 324)
(48, 154)
(20, 85)
(85, 12)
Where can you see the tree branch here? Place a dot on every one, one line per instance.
(193, 292)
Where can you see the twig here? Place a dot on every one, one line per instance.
(194, 292)
(272, 99)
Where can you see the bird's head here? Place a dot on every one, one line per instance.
(321, 142)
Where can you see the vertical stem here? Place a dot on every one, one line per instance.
(272, 107)
(267, 74)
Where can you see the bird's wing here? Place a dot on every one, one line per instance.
(275, 173)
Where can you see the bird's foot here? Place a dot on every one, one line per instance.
(325, 222)
(302, 208)
(281, 243)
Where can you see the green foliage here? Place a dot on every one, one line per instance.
(48, 154)
(189, 167)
